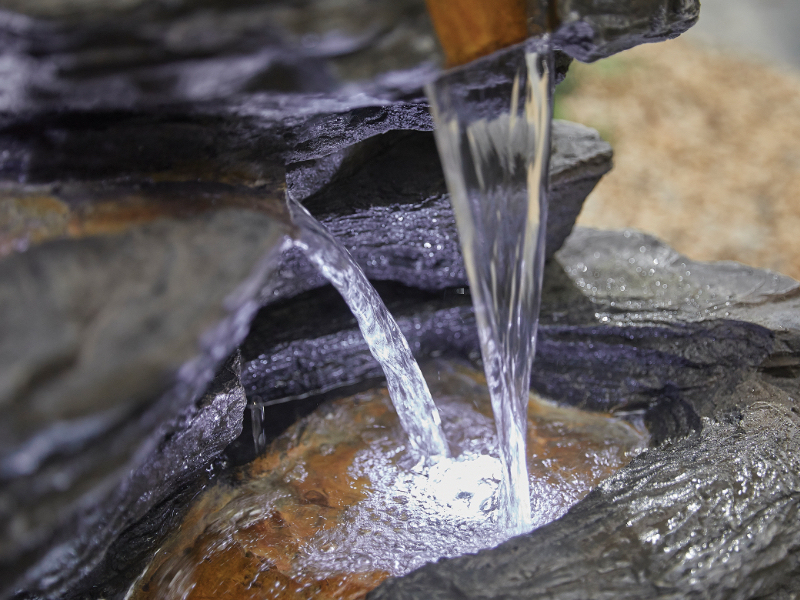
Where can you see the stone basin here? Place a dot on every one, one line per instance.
(335, 505)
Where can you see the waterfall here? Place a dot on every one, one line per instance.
(407, 388)
(493, 122)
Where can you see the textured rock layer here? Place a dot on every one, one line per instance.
(710, 510)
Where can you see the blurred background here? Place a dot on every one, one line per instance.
(706, 135)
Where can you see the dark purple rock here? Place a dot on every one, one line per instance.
(594, 29)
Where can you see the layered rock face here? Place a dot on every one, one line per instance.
(709, 352)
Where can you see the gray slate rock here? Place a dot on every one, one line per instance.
(711, 360)
(594, 29)
(387, 201)
(108, 344)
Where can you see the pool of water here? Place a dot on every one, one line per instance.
(339, 503)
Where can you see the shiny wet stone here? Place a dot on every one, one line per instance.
(337, 504)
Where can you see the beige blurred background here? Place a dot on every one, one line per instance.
(706, 134)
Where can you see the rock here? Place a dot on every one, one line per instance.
(179, 466)
(323, 349)
(78, 314)
(183, 201)
(594, 29)
(107, 344)
(143, 149)
(724, 467)
(386, 200)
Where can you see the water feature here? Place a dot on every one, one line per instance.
(330, 510)
(410, 395)
(493, 133)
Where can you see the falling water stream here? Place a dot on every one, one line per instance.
(409, 392)
(333, 508)
(494, 145)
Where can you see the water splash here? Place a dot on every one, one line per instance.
(410, 395)
(331, 510)
(493, 134)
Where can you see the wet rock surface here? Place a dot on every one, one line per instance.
(709, 511)
(392, 211)
(108, 343)
(154, 495)
(710, 361)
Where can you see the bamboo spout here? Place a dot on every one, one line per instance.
(469, 29)
(584, 29)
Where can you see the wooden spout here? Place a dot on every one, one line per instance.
(469, 29)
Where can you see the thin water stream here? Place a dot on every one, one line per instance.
(410, 395)
(494, 143)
